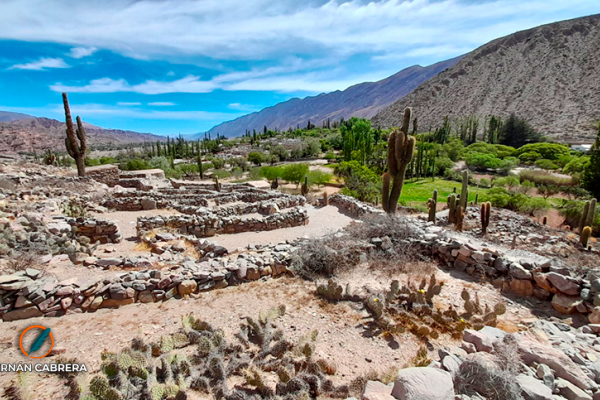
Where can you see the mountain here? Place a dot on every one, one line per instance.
(361, 100)
(25, 135)
(6, 116)
(548, 75)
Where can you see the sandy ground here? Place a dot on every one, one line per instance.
(322, 220)
(344, 337)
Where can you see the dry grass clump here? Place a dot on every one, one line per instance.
(326, 256)
(7, 184)
(23, 260)
(492, 377)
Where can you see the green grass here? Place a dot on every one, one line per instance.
(416, 193)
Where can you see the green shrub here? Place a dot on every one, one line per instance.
(272, 172)
(330, 156)
(237, 172)
(576, 165)
(318, 177)
(509, 182)
(218, 163)
(295, 173)
(529, 157)
(221, 173)
(545, 178)
(442, 164)
(257, 157)
(361, 181)
(485, 183)
(546, 164)
(134, 164)
(255, 173)
(498, 196)
(548, 151)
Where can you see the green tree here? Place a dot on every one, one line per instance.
(295, 173)
(257, 157)
(591, 175)
(319, 177)
(517, 132)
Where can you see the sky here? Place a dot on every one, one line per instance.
(183, 66)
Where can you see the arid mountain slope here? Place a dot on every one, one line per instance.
(6, 116)
(361, 100)
(26, 135)
(549, 75)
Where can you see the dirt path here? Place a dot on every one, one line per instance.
(321, 221)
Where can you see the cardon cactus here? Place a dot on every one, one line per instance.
(401, 148)
(485, 216)
(304, 188)
(464, 193)
(217, 184)
(432, 205)
(325, 199)
(49, 158)
(275, 183)
(587, 218)
(75, 141)
(545, 220)
(586, 233)
(459, 218)
(452, 208)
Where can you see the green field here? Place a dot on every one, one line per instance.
(415, 193)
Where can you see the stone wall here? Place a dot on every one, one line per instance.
(144, 174)
(28, 294)
(107, 174)
(137, 183)
(546, 281)
(352, 205)
(210, 224)
(102, 230)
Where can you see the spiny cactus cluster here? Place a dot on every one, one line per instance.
(486, 209)
(50, 158)
(411, 308)
(304, 187)
(587, 218)
(456, 212)
(586, 233)
(333, 291)
(401, 147)
(432, 205)
(157, 371)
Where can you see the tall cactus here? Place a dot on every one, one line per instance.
(401, 148)
(75, 149)
(459, 217)
(452, 208)
(304, 188)
(464, 193)
(432, 205)
(587, 218)
(586, 233)
(275, 183)
(217, 184)
(486, 209)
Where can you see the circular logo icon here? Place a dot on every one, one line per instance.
(32, 340)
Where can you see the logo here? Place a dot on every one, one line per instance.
(43, 334)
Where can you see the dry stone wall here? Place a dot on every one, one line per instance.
(352, 205)
(28, 294)
(210, 224)
(107, 174)
(97, 229)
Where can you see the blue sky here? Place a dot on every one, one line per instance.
(183, 66)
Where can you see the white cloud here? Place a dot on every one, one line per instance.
(243, 107)
(162, 104)
(257, 29)
(42, 64)
(127, 103)
(80, 52)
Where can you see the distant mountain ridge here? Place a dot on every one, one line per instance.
(6, 116)
(548, 75)
(28, 133)
(362, 100)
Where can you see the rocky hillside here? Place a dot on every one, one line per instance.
(548, 75)
(25, 135)
(6, 116)
(361, 100)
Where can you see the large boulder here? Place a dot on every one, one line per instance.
(377, 391)
(423, 384)
(533, 389)
(566, 304)
(187, 287)
(563, 283)
(481, 341)
(22, 313)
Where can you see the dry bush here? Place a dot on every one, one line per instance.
(325, 257)
(23, 260)
(379, 225)
(492, 377)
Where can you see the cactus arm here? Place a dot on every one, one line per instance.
(391, 159)
(81, 136)
(385, 195)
